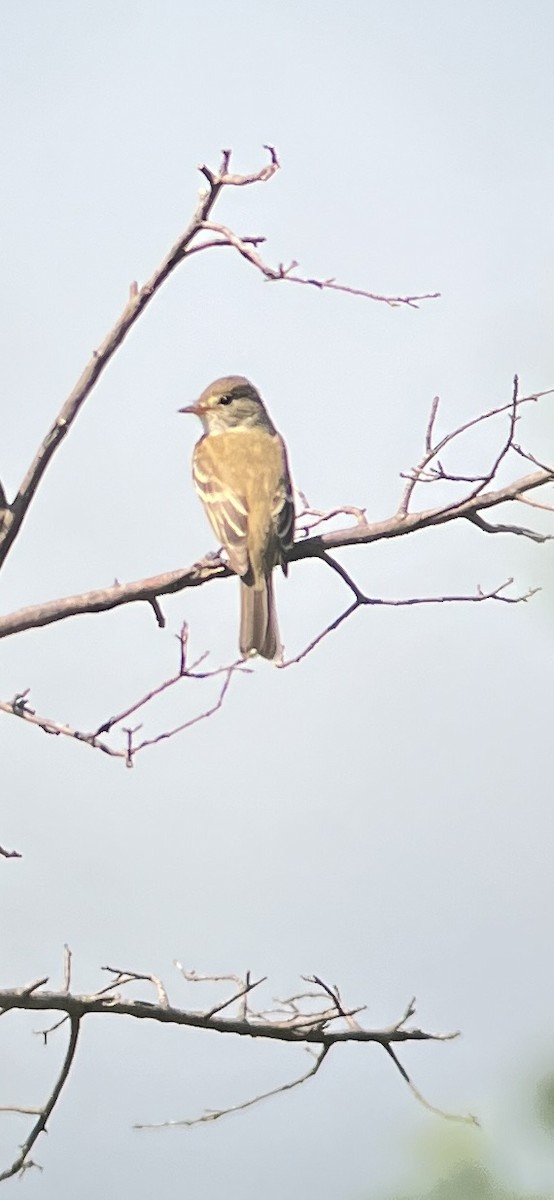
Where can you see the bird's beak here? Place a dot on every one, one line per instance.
(190, 408)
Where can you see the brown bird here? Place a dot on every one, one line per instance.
(241, 474)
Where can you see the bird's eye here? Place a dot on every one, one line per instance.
(225, 399)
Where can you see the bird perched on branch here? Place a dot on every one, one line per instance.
(241, 474)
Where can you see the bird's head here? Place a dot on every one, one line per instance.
(231, 402)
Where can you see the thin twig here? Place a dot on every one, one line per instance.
(517, 530)
(247, 987)
(467, 1119)
(246, 246)
(123, 977)
(203, 716)
(216, 1114)
(362, 601)
(19, 707)
(66, 968)
(419, 473)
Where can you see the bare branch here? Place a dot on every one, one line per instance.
(340, 570)
(4, 853)
(18, 1108)
(105, 599)
(203, 716)
(160, 619)
(343, 616)
(56, 728)
(334, 995)
(362, 601)
(27, 990)
(309, 518)
(123, 977)
(21, 1162)
(306, 1019)
(193, 976)
(245, 989)
(432, 1108)
(535, 504)
(78, 1006)
(246, 247)
(531, 458)
(422, 472)
(431, 424)
(508, 443)
(184, 672)
(19, 707)
(214, 1114)
(66, 968)
(517, 530)
(208, 569)
(224, 179)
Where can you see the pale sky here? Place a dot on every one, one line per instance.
(380, 814)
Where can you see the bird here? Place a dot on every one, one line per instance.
(241, 474)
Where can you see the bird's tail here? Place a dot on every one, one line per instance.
(259, 630)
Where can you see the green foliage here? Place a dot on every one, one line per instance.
(544, 1103)
(454, 1165)
(470, 1181)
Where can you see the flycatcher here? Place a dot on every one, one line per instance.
(241, 474)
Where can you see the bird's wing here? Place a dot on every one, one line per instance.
(225, 508)
(283, 510)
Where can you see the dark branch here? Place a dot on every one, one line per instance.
(78, 1006)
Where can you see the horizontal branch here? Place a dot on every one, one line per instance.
(318, 1019)
(210, 568)
(103, 599)
(79, 1006)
